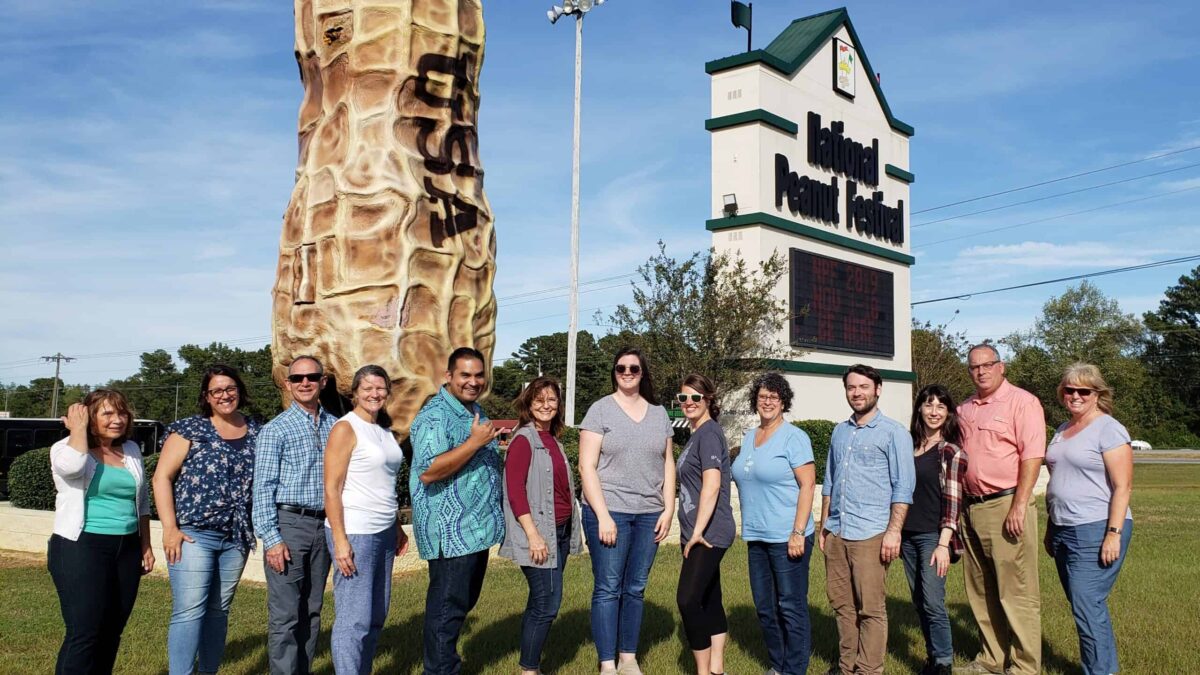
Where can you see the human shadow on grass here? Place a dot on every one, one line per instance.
(965, 633)
(249, 652)
(400, 646)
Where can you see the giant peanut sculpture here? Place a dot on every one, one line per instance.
(388, 252)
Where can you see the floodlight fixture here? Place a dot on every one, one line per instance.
(555, 13)
(731, 205)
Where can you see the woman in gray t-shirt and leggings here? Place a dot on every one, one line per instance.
(628, 475)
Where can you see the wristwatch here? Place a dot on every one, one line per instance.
(1115, 530)
(798, 533)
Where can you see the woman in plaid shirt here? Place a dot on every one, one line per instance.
(929, 539)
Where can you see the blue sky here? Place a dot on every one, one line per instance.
(147, 152)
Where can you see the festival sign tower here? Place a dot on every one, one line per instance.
(809, 162)
(388, 252)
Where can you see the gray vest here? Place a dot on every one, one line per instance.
(539, 487)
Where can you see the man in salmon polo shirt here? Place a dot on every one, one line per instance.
(1004, 432)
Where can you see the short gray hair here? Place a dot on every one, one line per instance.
(306, 357)
(985, 345)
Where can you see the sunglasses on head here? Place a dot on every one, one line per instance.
(633, 370)
(684, 398)
(311, 377)
(1082, 391)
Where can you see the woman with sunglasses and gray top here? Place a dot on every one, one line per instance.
(706, 525)
(1091, 477)
(627, 468)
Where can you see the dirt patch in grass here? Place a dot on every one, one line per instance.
(14, 559)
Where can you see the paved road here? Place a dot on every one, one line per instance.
(1164, 460)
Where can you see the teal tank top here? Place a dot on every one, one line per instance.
(111, 503)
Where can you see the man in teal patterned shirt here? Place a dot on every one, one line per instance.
(456, 486)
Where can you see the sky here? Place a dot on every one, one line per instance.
(147, 153)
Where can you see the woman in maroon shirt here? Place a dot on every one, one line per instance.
(540, 512)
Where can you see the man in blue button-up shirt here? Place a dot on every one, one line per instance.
(289, 502)
(869, 480)
(456, 485)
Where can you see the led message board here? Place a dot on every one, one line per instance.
(841, 306)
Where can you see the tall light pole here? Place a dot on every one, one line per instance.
(578, 8)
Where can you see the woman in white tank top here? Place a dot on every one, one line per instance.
(364, 535)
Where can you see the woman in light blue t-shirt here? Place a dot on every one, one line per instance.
(776, 479)
(1091, 477)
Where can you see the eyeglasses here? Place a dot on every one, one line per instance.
(544, 402)
(297, 378)
(633, 370)
(982, 366)
(1082, 391)
(228, 392)
(684, 398)
(768, 398)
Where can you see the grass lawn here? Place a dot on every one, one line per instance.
(1154, 606)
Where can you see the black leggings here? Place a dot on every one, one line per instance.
(699, 596)
(97, 580)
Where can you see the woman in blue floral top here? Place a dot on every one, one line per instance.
(202, 488)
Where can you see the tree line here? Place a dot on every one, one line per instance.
(1152, 362)
(713, 314)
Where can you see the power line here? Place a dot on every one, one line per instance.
(1117, 270)
(1054, 196)
(1064, 215)
(1055, 180)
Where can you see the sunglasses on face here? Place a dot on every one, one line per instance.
(1082, 391)
(633, 370)
(684, 398)
(300, 377)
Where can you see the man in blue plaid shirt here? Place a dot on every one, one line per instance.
(289, 517)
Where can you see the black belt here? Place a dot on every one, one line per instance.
(977, 499)
(312, 513)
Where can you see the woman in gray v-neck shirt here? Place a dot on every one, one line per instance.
(628, 473)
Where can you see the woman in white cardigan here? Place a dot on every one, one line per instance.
(101, 543)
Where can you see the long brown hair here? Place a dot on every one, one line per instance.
(646, 385)
(951, 432)
(524, 403)
(117, 400)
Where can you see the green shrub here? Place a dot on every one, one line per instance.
(819, 432)
(30, 483)
(1169, 438)
(149, 464)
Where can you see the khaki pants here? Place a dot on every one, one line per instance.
(1001, 576)
(856, 581)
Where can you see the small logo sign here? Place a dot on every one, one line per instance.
(845, 67)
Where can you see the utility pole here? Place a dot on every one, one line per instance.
(176, 401)
(58, 360)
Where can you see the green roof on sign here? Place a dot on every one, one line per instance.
(792, 48)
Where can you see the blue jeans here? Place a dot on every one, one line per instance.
(779, 586)
(928, 594)
(621, 573)
(545, 597)
(454, 587)
(1087, 584)
(202, 586)
(360, 602)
